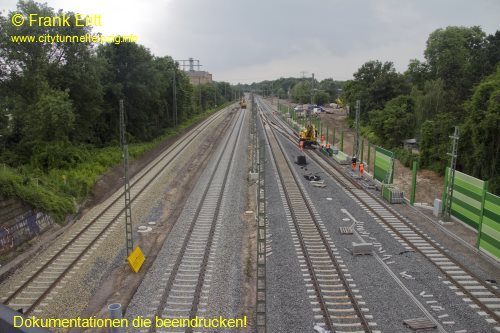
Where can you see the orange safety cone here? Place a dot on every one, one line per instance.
(361, 169)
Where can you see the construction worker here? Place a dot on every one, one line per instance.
(353, 163)
(361, 169)
(301, 145)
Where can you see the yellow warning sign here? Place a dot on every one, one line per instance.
(136, 259)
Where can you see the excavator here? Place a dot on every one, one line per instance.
(309, 135)
(340, 102)
(243, 103)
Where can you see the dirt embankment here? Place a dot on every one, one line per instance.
(429, 183)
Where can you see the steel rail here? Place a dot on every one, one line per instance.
(337, 173)
(324, 307)
(180, 256)
(198, 130)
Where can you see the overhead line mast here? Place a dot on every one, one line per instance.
(128, 209)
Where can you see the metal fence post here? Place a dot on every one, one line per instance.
(342, 141)
(485, 189)
(413, 183)
(362, 146)
(369, 152)
(445, 199)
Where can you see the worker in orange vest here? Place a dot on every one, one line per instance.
(353, 163)
(301, 145)
(361, 169)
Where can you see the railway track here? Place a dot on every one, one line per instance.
(478, 294)
(335, 301)
(187, 278)
(67, 256)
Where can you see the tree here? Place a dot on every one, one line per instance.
(458, 56)
(418, 73)
(331, 87)
(374, 84)
(144, 82)
(281, 93)
(395, 122)
(428, 101)
(321, 97)
(283, 86)
(434, 142)
(480, 148)
(82, 77)
(493, 50)
(52, 117)
(301, 92)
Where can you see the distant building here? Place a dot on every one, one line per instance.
(410, 144)
(196, 77)
(199, 77)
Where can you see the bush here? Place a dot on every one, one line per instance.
(58, 155)
(368, 134)
(32, 191)
(61, 174)
(406, 157)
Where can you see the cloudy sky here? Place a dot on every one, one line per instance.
(255, 40)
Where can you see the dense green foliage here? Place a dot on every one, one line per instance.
(481, 132)
(456, 85)
(303, 90)
(59, 107)
(396, 121)
(374, 84)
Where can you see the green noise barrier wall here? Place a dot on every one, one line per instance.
(473, 205)
(489, 236)
(467, 199)
(384, 168)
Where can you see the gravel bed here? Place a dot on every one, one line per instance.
(224, 289)
(288, 307)
(386, 301)
(79, 285)
(224, 293)
(112, 253)
(476, 263)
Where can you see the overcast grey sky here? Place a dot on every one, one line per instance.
(255, 40)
